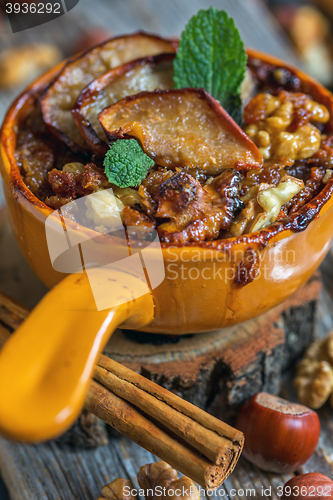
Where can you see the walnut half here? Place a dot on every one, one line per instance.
(157, 480)
(314, 376)
(153, 477)
(117, 490)
(280, 125)
(313, 382)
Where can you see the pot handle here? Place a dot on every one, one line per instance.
(47, 364)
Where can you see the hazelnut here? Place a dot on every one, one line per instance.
(279, 436)
(312, 486)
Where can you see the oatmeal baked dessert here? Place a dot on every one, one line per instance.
(198, 164)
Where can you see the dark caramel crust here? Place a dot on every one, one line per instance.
(295, 223)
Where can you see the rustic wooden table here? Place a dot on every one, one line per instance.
(49, 471)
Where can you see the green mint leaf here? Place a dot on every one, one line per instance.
(211, 56)
(126, 165)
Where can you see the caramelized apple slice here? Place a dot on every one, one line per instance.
(148, 74)
(182, 127)
(59, 99)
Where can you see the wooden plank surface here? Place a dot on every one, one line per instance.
(51, 472)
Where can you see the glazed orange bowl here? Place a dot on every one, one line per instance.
(203, 288)
(207, 285)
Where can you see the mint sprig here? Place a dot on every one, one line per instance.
(211, 56)
(126, 165)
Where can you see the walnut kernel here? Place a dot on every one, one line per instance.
(313, 382)
(116, 490)
(272, 128)
(150, 477)
(272, 198)
(161, 474)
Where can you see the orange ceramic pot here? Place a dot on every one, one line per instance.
(207, 286)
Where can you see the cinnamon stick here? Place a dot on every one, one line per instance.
(209, 449)
(126, 419)
(217, 441)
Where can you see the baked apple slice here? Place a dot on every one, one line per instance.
(148, 74)
(60, 97)
(179, 128)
